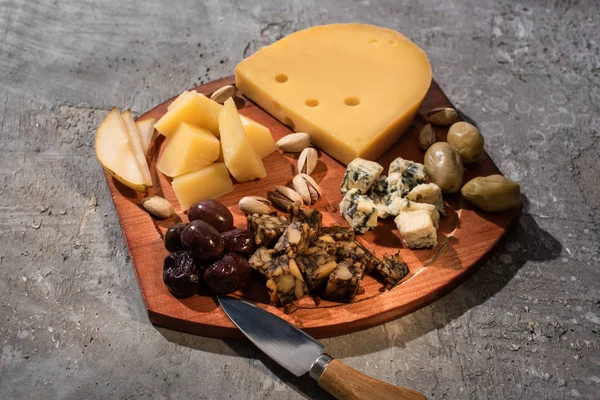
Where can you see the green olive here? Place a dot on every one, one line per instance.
(492, 193)
(467, 140)
(444, 167)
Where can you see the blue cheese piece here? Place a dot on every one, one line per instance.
(429, 193)
(359, 210)
(386, 191)
(416, 228)
(405, 205)
(361, 174)
(413, 173)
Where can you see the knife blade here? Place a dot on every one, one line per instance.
(299, 353)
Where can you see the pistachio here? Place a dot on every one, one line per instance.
(222, 94)
(427, 137)
(284, 197)
(442, 116)
(307, 188)
(254, 205)
(158, 206)
(307, 162)
(294, 143)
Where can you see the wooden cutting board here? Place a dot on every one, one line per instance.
(464, 237)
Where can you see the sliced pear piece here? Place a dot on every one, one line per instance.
(136, 146)
(241, 159)
(146, 129)
(115, 153)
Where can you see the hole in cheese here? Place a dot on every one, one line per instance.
(312, 102)
(281, 78)
(352, 101)
(373, 41)
(288, 121)
(277, 106)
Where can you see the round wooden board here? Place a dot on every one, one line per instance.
(464, 237)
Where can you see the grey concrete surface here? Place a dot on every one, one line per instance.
(72, 321)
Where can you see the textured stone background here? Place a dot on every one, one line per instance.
(72, 322)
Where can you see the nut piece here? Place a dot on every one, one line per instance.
(294, 143)
(307, 162)
(158, 206)
(222, 94)
(467, 140)
(307, 188)
(492, 193)
(427, 137)
(284, 197)
(254, 205)
(442, 116)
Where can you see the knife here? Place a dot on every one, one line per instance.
(299, 353)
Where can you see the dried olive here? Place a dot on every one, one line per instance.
(173, 237)
(212, 212)
(240, 241)
(202, 240)
(467, 140)
(181, 274)
(492, 193)
(227, 275)
(444, 167)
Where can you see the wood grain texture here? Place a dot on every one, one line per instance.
(346, 383)
(464, 237)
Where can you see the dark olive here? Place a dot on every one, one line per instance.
(212, 212)
(173, 237)
(240, 241)
(202, 240)
(181, 275)
(227, 275)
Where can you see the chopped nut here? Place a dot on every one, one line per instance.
(158, 206)
(307, 188)
(222, 94)
(307, 162)
(254, 205)
(294, 143)
(284, 197)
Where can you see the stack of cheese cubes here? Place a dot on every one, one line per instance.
(207, 142)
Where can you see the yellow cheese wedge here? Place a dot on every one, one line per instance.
(259, 135)
(136, 145)
(208, 183)
(189, 149)
(192, 108)
(146, 129)
(354, 88)
(243, 162)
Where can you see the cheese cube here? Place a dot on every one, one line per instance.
(259, 135)
(413, 173)
(354, 88)
(208, 183)
(360, 174)
(417, 229)
(404, 205)
(189, 149)
(429, 193)
(243, 162)
(192, 108)
(359, 210)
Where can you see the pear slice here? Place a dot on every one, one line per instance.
(146, 129)
(136, 146)
(115, 153)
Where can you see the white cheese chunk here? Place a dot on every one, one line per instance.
(416, 228)
(386, 191)
(359, 210)
(429, 193)
(412, 172)
(361, 174)
(405, 205)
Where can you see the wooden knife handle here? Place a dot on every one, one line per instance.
(346, 383)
